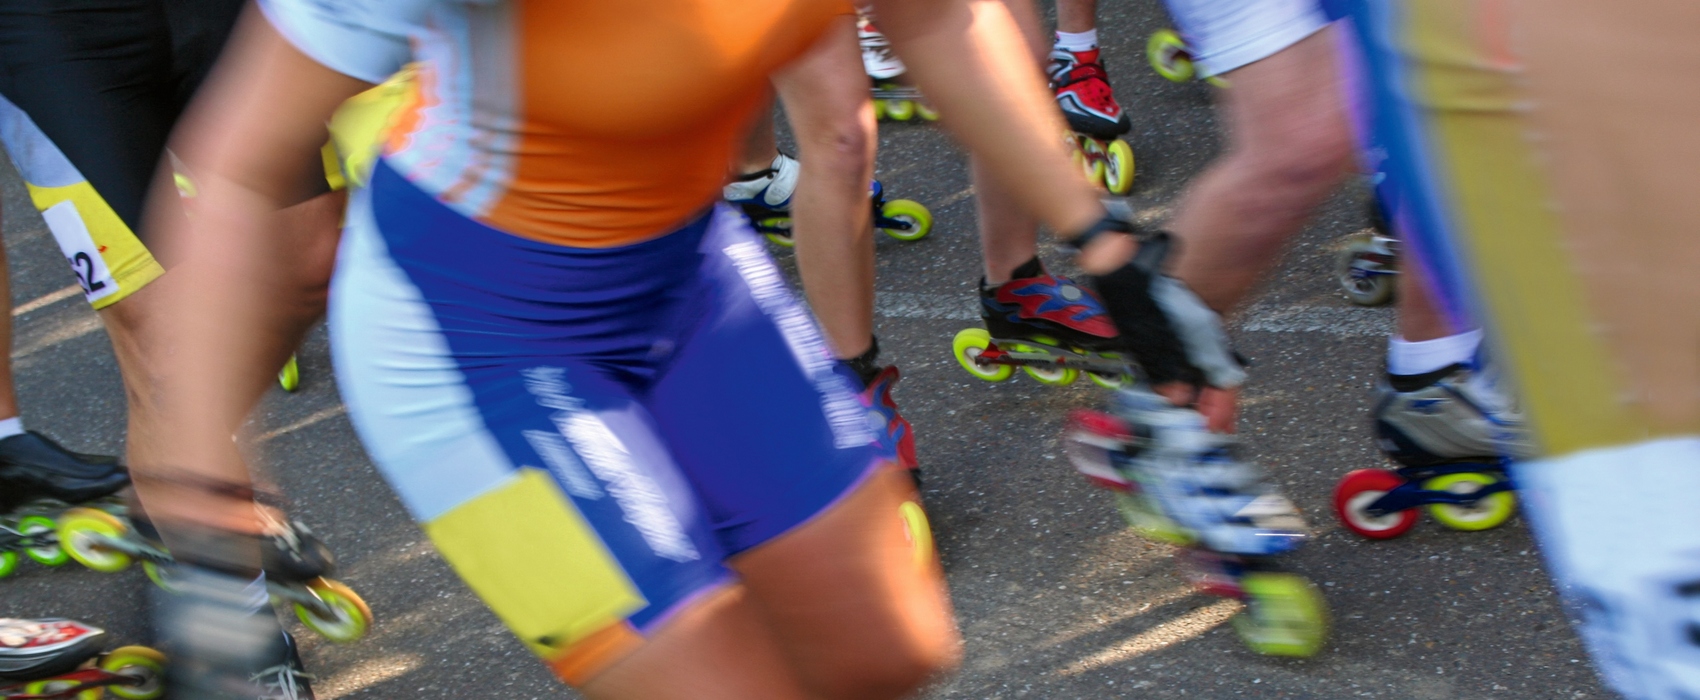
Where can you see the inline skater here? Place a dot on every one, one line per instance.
(1548, 175)
(603, 435)
(1077, 73)
(92, 91)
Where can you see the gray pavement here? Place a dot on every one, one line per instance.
(1056, 598)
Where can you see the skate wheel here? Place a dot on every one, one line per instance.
(1361, 488)
(8, 563)
(1370, 290)
(1049, 376)
(926, 112)
(1489, 512)
(1108, 381)
(1118, 170)
(84, 533)
(781, 241)
(290, 376)
(900, 110)
(142, 668)
(1285, 615)
(1168, 56)
(917, 220)
(1095, 159)
(57, 688)
(38, 527)
(160, 576)
(968, 345)
(350, 615)
(1147, 519)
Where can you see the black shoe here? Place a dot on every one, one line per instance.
(33, 467)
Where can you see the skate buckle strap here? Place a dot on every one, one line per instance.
(1113, 221)
(177, 476)
(1080, 73)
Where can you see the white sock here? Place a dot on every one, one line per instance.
(1078, 41)
(1424, 356)
(11, 426)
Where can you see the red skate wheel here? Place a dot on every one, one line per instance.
(1361, 488)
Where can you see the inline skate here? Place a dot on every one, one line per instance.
(765, 198)
(297, 566)
(1178, 483)
(1083, 93)
(39, 480)
(54, 658)
(893, 98)
(1453, 438)
(1050, 327)
(1170, 56)
(1368, 265)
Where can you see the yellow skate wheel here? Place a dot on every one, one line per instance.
(778, 240)
(1168, 56)
(910, 212)
(879, 110)
(290, 376)
(900, 110)
(1049, 376)
(145, 667)
(350, 619)
(87, 534)
(8, 563)
(1489, 512)
(36, 526)
(56, 689)
(1095, 169)
(926, 112)
(968, 345)
(1118, 168)
(1285, 615)
(1148, 521)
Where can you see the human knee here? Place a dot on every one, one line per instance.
(844, 142)
(1314, 152)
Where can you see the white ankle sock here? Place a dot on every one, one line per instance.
(1424, 356)
(1078, 41)
(11, 426)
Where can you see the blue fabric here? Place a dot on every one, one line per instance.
(721, 395)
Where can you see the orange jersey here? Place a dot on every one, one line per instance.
(583, 123)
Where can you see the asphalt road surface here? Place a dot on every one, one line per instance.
(1055, 597)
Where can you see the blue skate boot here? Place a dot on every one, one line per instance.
(1453, 433)
(1177, 482)
(765, 197)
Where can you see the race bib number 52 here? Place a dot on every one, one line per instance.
(80, 250)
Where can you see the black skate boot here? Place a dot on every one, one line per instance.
(225, 639)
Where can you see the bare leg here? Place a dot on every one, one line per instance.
(1009, 235)
(1289, 146)
(874, 619)
(1419, 318)
(760, 146)
(1077, 15)
(8, 390)
(140, 339)
(826, 99)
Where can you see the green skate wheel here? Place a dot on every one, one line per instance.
(1049, 376)
(38, 527)
(8, 563)
(900, 110)
(968, 345)
(1168, 56)
(919, 220)
(290, 376)
(57, 688)
(1148, 521)
(879, 110)
(1094, 164)
(778, 240)
(350, 618)
(926, 112)
(1489, 512)
(85, 534)
(1118, 168)
(142, 668)
(1285, 615)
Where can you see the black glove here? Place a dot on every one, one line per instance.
(1167, 328)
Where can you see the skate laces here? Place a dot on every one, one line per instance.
(281, 682)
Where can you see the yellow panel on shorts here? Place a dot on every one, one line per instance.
(125, 261)
(360, 126)
(536, 562)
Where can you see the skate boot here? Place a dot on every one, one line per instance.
(765, 198)
(1179, 483)
(1453, 433)
(39, 480)
(877, 381)
(1083, 93)
(893, 98)
(226, 640)
(297, 566)
(1047, 325)
(58, 658)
